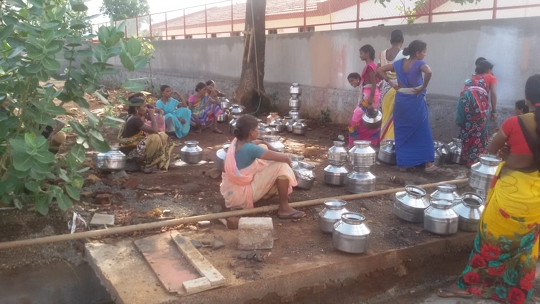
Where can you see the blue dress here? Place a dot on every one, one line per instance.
(413, 138)
(172, 113)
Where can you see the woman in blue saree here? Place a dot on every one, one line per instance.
(413, 139)
(177, 115)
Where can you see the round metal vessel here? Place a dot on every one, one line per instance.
(337, 154)
(274, 141)
(305, 175)
(469, 208)
(332, 212)
(335, 175)
(113, 160)
(362, 154)
(409, 205)
(482, 172)
(372, 119)
(299, 127)
(360, 180)
(224, 103)
(295, 90)
(191, 153)
(294, 102)
(439, 218)
(445, 192)
(223, 117)
(351, 234)
(220, 157)
(387, 152)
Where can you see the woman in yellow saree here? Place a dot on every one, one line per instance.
(502, 264)
(153, 150)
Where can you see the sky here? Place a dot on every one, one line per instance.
(156, 6)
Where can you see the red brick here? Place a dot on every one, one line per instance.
(131, 183)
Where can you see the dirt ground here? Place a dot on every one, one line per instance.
(189, 190)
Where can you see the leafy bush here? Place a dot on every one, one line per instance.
(36, 37)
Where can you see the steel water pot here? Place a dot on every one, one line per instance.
(279, 125)
(191, 153)
(294, 161)
(220, 157)
(263, 130)
(360, 180)
(113, 160)
(441, 152)
(439, 218)
(223, 117)
(362, 154)
(305, 177)
(332, 212)
(482, 172)
(272, 117)
(409, 205)
(445, 192)
(236, 109)
(299, 127)
(224, 103)
(288, 121)
(232, 123)
(372, 119)
(387, 152)
(335, 175)
(469, 208)
(295, 90)
(274, 141)
(351, 234)
(294, 102)
(337, 154)
(455, 151)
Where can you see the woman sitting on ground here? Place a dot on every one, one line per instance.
(521, 107)
(177, 115)
(253, 171)
(153, 150)
(502, 264)
(204, 109)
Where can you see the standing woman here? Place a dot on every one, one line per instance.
(414, 142)
(369, 99)
(177, 116)
(204, 109)
(388, 94)
(502, 264)
(473, 112)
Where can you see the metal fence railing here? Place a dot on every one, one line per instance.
(227, 18)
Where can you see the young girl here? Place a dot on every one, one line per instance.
(368, 99)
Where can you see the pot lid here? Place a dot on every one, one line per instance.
(490, 160)
(335, 204)
(415, 191)
(446, 187)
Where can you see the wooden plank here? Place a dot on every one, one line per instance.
(198, 261)
(171, 268)
(197, 285)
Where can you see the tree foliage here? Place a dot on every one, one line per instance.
(37, 38)
(124, 9)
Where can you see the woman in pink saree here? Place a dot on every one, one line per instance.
(253, 171)
(369, 98)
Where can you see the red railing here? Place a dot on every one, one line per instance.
(227, 18)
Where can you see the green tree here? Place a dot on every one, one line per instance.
(40, 40)
(124, 9)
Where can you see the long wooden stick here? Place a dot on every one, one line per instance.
(206, 217)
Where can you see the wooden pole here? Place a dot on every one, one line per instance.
(206, 217)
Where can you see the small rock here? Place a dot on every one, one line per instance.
(166, 211)
(192, 228)
(214, 173)
(218, 243)
(92, 178)
(217, 208)
(251, 255)
(191, 189)
(243, 255)
(196, 243)
(118, 175)
(103, 199)
(204, 223)
(258, 257)
(87, 194)
(131, 183)
(206, 242)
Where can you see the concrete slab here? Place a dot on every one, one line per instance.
(125, 274)
(170, 266)
(102, 219)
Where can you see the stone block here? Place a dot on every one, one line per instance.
(255, 233)
(103, 199)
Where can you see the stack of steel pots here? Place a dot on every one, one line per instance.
(331, 214)
(361, 157)
(220, 157)
(294, 101)
(305, 177)
(351, 234)
(236, 111)
(224, 105)
(387, 152)
(482, 174)
(454, 151)
(409, 205)
(336, 173)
